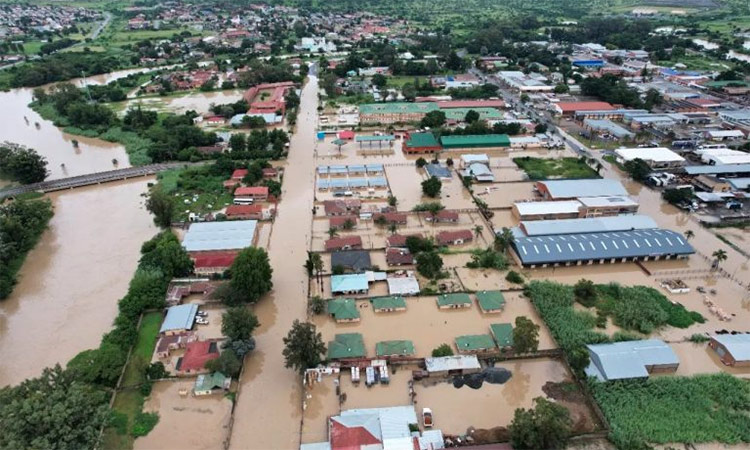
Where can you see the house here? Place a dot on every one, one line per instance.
(167, 343)
(475, 343)
(479, 172)
(503, 334)
(458, 237)
(197, 354)
(403, 285)
(438, 171)
(452, 365)
(214, 383)
(239, 174)
(344, 243)
(179, 319)
(209, 263)
(244, 212)
(443, 217)
(349, 284)
(733, 349)
(215, 120)
(656, 157)
(340, 222)
(389, 349)
(399, 240)
(420, 143)
(343, 310)
(388, 304)
(630, 359)
(467, 160)
(568, 109)
(231, 184)
(342, 207)
(346, 135)
(398, 256)
(255, 193)
(219, 236)
(390, 217)
(346, 346)
(354, 260)
(453, 301)
(490, 301)
(270, 173)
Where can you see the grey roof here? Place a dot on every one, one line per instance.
(394, 420)
(608, 125)
(594, 246)
(457, 362)
(738, 345)
(352, 259)
(229, 235)
(584, 188)
(591, 225)
(374, 168)
(739, 183)
(718, 169)
(180, 317)
(480, 172)
(377, 182)
(437, 170)
(628, 359)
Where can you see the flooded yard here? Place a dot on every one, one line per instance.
(199, 102)
(186, 422)
(699, 358)
(503, 195)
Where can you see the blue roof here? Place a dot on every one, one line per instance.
(588, 62)
(349, 282)
(375, 168)
(322, 169)
(628, 359)
(338, 183)
(377, 182)
(436, 170)
(584, 188)
(574, 247)
(738, 345)
(358, 168)
(228, 235)
(591, 225)
(322, 184)
(357, 182)
(180, 317)
(717, 169)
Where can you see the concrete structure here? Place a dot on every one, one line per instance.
(403, 285)
(570, 189)
(630, 359)
(212, 236)
(179, 319)
(420, 143)
(452, 365)
(607, 206)
(733, 349)
(655, 157)
(388, 113)
(546, 210)
(255, 193)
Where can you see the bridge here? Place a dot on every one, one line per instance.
(89, 179)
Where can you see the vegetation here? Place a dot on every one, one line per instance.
(546, 425)
(60, 67)
(667, 409)
(22, 222)
(678, 196)
(638, 169)
(250, 277)
(442, 350)
(22, 164)
(543, 169)
(162, 206)
(525, 335)
(303, 347)
(487, 259)
(514, 277)
(429, 264)
(431, 187)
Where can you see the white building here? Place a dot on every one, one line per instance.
(656, 157)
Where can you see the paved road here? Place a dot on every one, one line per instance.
(102, 26)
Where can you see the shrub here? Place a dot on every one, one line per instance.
(514, 277)
(698, 338)
(144, 423)
(487, 259)
(442, 350)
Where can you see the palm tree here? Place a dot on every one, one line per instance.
(719, 256)
(309, 265)
(503, 239)
(333, 232)
(317, 263)
(393, 227)
(478, 230)
(689, 234)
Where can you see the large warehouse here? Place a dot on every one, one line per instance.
(570, 189)
(229, 235)
(655, 157)
(475, 141)
(599, 247)
(594, 225)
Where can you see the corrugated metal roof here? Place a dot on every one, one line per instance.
(718, 169)
(458, 362)
(738, 345)
(628, 359)
(437, 170)
(229, 235)
(584, 188)
(180, 317)
(591, 225)
(536, 208)
(595, 246)
(349, 282)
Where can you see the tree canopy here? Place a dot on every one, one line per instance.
(251, 277)
(303, 347)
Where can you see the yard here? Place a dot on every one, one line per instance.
(545, 169)
(196, 190)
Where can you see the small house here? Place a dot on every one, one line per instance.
(346, 346)
(390, 218)
(166, 344)
(475, 343)
(458, 237)
(350, 284)
(341, 222)
(239, 174)
(388, 349)
(255, 193)
(353, 260)
(453, 301)
(343, 310)
(630, 359)
(342, 207)
(197, 354)
(344, 243)
(208, 384)
(244, 212)
(490, 301)
(399, 240)
(395, 256)
(503, 334)
(403, 285)
(452, 365)
(733, 349)
(389, 304)
(443, 217)
(179, 319)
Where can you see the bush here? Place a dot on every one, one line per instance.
(514, 277)
(487, 259)
(318, 305)
(698, 338)
(429, 264)
(144, 423)
(442, 350)
(585, 293)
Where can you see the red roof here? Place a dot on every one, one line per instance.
(214, 259)
(397, 256)
(448, 237)
(197, 354)
(391, 217)
(399, 240)
(239, 174)
(584, 106)
(350, 438)
(254, 191)
(336, 207)
(447, 216)
(243, 210)
(335, 222)
(446, 104)
(339, 243)
(346, 134)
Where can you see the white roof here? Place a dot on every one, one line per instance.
(524, 140)
(726, 133)
(443, 363)
(403, 286)
(656, 154)
(470, 159)
(228, 235)
(614, 200)
(599, 187)
(738, 345)
(536, 208)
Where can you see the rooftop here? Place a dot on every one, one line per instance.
(448, 363)
(503, 334)
(346, 345)
(551, 207)
(394, 348)
(738, 345)
(349, 282)
(228, 235)
(655, 154)
(490, 300)
(422, 140)
(397, 108)
(590, 225)
(475, 140)
(356, 260)
(180, 317)
(582, 188)
(390, 302)
(343, 309)
(454, 299)
(474, 342)
(628, 359)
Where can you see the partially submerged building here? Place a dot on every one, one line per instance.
(475, 343)
(391, 303)
(572, 189)
(346, 346)
(453, 301)
(214, 236)
(503, 335)
(452, 365)
(394, 348)
(179, 319)
(343, 310)
(355, 283)
(490, 301)
(354, 260)
(630, 359)
(733, 349)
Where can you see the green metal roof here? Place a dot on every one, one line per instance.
(397, 108)
(207, 382)
(338, 142)
(385, 137)
(394, 348)
(422, 140)
(484, 113)
(475, 342)
(343, 309)
(476, 141)
(453, 299)
(503, 333)
(393, 302)
(490, 300)
(346, 345)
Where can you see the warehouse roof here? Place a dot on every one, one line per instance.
(343, 309)
(475, 342)
(583, 106)
(718, 169)
(461, 299)
(537, 208)
(390, 302)
(394, 348)
(628, 359)
(229, 235)
(655, 154)
(475, 140)
(180, 317)
(484, 113)
(503, 334)
(582, 188)
(591, 225)
(490, 300)
(397, 108)
(448, 363)
(595, 246)
(616, 200)
(471, 159)
(422, 140)
(738, 345)
(346, 345)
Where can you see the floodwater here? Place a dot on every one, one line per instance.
(699, 358)
(269, 403)
(68, 288)
(199, 102)
(186, 421)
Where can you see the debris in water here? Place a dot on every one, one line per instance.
(493, 375)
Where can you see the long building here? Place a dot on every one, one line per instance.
(570, 189)
(475, 141)
(595, 225)
(394, 112)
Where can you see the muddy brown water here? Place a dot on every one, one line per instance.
(199, 102)
(68, 287)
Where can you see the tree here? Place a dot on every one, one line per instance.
(433, 119)
(585, 292)
(689, 234)
(579, 359)
(379, 80)
(525, 335)
(417, 244)
(317, 305)
(514, 277)
(421, 162)
(393, 227)
(478, 231)
(165, 254)
(251, 277)
(429, 264)
(22, 164)
(442, 350)
(503, 239)
(471, 116)
(540, 128)
(431, 187)
(100, 366)
(637, 168)
(228, 363)
(333, 231)
(162, 206)
(392, 200)
(719, 257)
(561, 88)
(238, 323)
(454, 62)
(547, 426)
(303, 347)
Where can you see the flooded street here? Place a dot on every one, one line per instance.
(58, 308)
(269, 402)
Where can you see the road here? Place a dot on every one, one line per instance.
(102, 26)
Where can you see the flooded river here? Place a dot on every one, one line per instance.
(269, 404)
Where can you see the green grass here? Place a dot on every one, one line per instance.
(195, 182)
(129, 403)
(32, 47)
(400, 81)
(543, 169)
